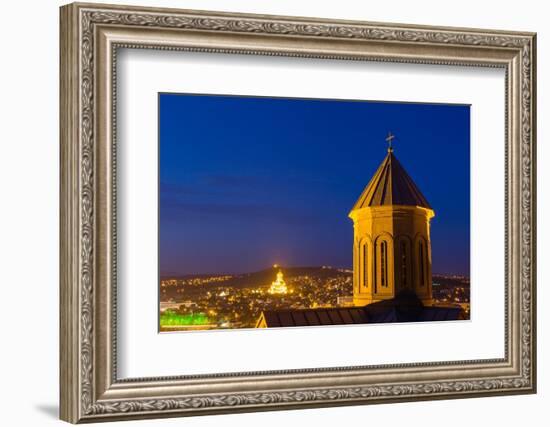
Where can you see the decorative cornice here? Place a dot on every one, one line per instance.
(527, 244)
(301, 396)
(86, 211)
(281, 27)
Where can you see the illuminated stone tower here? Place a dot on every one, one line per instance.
(391, 245)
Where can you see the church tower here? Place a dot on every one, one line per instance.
(391, 244)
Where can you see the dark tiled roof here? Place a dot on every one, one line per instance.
(391, 185)
(315, 317)
(405, 308)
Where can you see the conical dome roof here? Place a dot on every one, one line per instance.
(391, 185)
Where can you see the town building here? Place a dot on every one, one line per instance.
(279, 285)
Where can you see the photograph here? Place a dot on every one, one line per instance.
(293, 212)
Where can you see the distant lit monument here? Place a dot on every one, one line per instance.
(391, 245)
(279, 285)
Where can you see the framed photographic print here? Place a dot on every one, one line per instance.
(264, 212)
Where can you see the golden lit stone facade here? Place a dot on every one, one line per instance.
(391, 245)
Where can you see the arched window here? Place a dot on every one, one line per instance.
(365, 265)
(422, 265)
(356, 270)
(384, 264)
(404, 263)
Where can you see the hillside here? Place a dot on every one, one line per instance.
(266, 276)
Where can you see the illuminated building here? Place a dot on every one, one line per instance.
(391, 246)
(392, 268)
(279, 285)
(344, 301)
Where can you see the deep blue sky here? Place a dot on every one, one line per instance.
(247, 182)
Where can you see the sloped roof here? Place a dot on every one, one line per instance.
(391, 185)
(406, 307)
(315, 317)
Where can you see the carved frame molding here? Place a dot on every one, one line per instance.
(90, 37)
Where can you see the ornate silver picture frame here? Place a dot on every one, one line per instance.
(91, 390)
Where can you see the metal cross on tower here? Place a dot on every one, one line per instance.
(389, 140)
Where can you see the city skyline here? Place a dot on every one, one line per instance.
(247, 182)
(323, 295)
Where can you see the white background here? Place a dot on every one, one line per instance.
(29, 171)
(141, 347)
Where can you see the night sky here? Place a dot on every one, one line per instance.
(248, 182)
